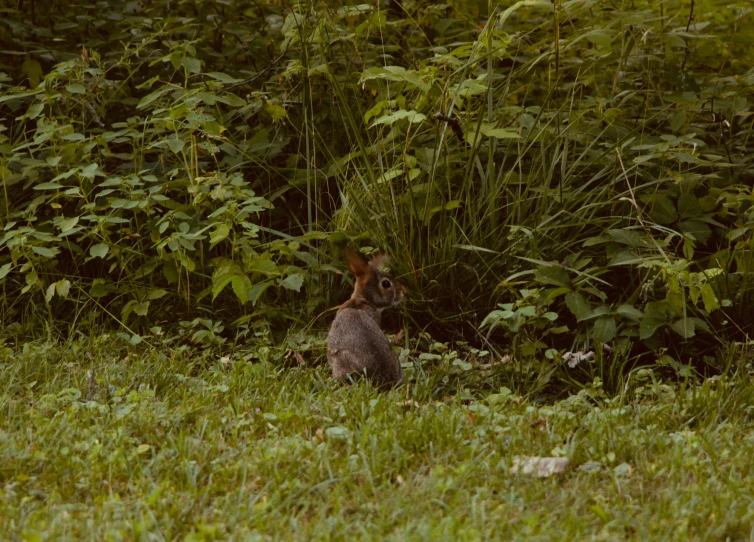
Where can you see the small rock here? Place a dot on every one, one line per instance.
(541, 467)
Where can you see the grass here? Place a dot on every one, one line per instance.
(102, 443)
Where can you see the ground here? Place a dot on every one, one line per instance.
(100, 442)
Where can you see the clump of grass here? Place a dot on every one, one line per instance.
(103, 442)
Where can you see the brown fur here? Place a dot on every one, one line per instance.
(356, 344)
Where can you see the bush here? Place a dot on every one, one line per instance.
(580, 169)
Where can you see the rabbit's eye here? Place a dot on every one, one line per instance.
(386, 284)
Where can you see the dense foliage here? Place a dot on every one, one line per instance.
(548, 175)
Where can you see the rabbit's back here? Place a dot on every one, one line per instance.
(356, 344)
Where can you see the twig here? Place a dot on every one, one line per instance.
(92, 386)
(688, 25)
(250, 79)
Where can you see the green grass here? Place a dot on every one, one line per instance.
(171, 445)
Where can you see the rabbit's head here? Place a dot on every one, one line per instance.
(373, 284)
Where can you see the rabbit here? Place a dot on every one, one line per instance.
(355, 343)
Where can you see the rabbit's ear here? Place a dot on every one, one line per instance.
(356, 263)
(379, 261)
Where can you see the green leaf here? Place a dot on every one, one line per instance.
(170, 271)
(141, 307)
(277, 112)
(149, 98)
(553, 274)
(50, 292)
(604, 329)
(99, 250)
(257, 290)
(185, 261)
(630, 312)
(46, 252)
(31, 278)
(411, 116)
(662, 210)
(625, 237)
(35, 110)
(4, 270)
(684, 327)
(600, 37)
(98, 288)
(219, 285)
(156, 294)
(221, 232)
(395, 73)
(192, 65)
(649, 324)
(33, 71)
(578, 305)
(63, 287)
(709, 298)
(265, 266)
(292, 282)
(48, 186)
(224, 77)
(67, 224)
(688, 206)
(176, 145)
(678, 120)
(502, 133)
(241, 287)
(76, 88)
(493, 319)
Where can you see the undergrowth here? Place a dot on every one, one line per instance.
(550, 177)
